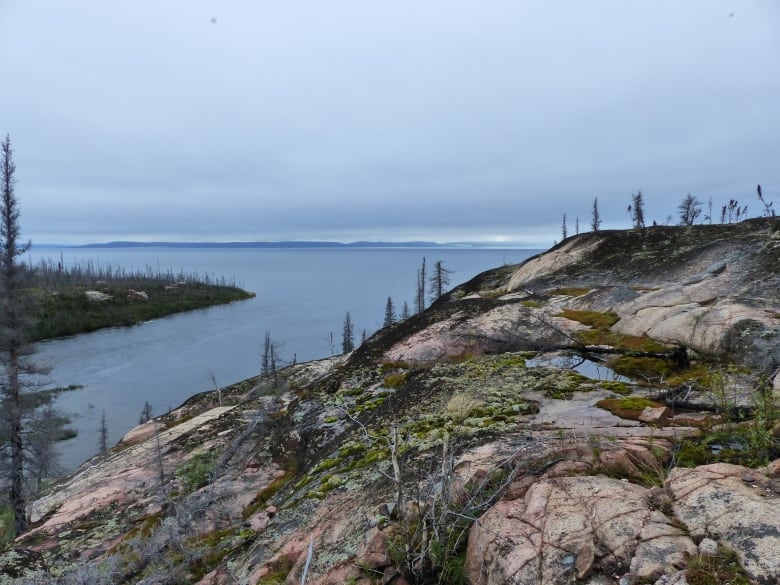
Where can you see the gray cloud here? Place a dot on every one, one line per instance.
(353, 120)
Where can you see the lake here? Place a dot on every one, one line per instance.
(302, 298)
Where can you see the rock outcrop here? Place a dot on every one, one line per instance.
(713, 288)
(470, 443)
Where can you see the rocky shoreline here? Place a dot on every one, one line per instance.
(440, 452)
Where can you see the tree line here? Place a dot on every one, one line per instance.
(689, 211)
(428, 289)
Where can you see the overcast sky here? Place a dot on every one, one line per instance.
(348, 120)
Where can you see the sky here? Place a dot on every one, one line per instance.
(438, 120)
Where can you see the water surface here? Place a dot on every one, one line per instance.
(302, 297)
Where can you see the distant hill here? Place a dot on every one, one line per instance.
(285, 244)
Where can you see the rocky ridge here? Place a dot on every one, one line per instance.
(468, 444)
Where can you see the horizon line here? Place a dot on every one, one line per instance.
(287, 244)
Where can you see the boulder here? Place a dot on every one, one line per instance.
(137, 295)
(655, 415)
(566, 528)
(97, 296)
(714, 501)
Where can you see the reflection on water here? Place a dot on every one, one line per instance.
(587, 367)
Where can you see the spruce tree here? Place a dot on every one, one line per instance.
(348, 335)
(15, 324)
(637, 209)
(390, 317)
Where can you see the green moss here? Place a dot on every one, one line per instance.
(6, 525)
(616, 386)
(395, 380)
(513, 360)
(352, 449)
(749, 443)
(304, 481)
(215, 547)
(264, 495)
(144, 528)
(629, 407)
(620, 341)
(641, 367)
(390, 366)
(326, 464)
(570, 291)
(371, 456)
(700, 373)
(591, 318)
(369, 405)
(565, 383)
(533, 304)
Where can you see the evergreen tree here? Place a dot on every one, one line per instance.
(637, 209)
(265, 363)
(103, 433)
(563, 228)
(595, 218)
(15, 326)
(347, 335)
(146, 413)
(405, 311)
(44, 427)
(390, 317)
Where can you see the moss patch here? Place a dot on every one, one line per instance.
(620, 341)
(629, 407)
(395, 380)
(264, 495)
(570, 291)
(616, 386)
(595, 319)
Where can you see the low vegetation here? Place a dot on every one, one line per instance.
(84, 298)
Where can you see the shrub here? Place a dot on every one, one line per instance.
(196, 472)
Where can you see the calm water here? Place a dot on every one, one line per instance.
(302, 296)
